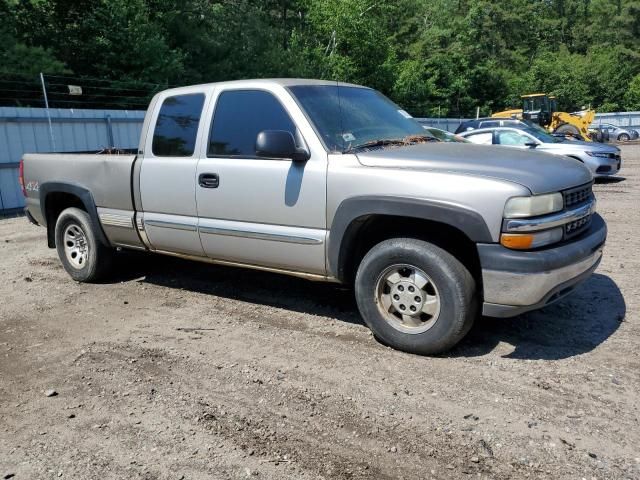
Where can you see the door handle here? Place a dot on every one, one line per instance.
(208, 180)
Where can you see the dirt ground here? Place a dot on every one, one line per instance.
(178, 370)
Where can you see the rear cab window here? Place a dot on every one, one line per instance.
(176, 127)
(239, 116)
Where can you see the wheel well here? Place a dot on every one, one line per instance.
(366, 232)
(55, 203)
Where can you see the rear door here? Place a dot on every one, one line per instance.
(480, 138)
(167, 173)
(255, 210)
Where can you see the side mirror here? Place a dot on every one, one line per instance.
(531, 144)
(280, 144)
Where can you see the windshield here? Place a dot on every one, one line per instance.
(349, 117)
(541, 135)
(534, 126)
(445, 136)
(536, 104)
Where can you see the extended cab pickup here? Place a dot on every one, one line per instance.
(329, 181)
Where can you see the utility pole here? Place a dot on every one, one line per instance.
(46, 104)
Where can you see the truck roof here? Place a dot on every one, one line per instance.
(253, 83)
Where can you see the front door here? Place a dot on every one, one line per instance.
(513, 138)
(261, 211)
(167, 175)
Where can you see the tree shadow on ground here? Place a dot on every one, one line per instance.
(573, 326)
(246, 285)
(606, 180)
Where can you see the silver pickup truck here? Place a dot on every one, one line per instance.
(332, 182)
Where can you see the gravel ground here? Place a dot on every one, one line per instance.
(179, 370)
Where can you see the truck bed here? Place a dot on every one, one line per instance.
(102, 181)
(106, 176)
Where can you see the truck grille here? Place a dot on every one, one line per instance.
(574, 198)
(578, 195)
(575, 228)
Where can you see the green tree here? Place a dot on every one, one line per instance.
(431, 56)
(632, 97)
(17, 57)
(106, 38)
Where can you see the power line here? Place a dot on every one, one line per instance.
(98, 95)
(2, 89)
(99, 102)
(13, 82)
(109, 80)
(101, 88)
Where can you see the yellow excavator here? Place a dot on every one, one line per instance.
(542, 109)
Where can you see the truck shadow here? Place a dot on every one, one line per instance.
(606, 180)
(573, 326)
(251, 286)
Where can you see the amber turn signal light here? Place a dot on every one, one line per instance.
(516, 241)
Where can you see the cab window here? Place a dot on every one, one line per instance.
(240, 115)
(176, 128)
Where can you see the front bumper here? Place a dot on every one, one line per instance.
(605, 167)
(516, 282)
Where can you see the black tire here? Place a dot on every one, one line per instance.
(450, 280)
(95, 260)
(568, 129)
(624, 137)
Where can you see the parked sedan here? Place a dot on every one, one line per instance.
(491, 122)
(619, 133)
(603, 160)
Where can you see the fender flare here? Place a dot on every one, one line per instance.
(85, 196)
(355, 210)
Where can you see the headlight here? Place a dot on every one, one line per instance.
(525, 241)
(521, 207)
(598, 154)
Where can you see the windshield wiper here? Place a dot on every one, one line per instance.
(408, 140)
(375, 143)
(421, 138)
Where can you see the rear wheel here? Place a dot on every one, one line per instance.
(82, 255)
(415, 296)
(623, 137)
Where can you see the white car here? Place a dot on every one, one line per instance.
(603, 160)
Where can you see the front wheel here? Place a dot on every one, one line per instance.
(623, 137)
(415, 296)
(83, 256)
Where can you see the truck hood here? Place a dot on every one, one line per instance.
(539, 172)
